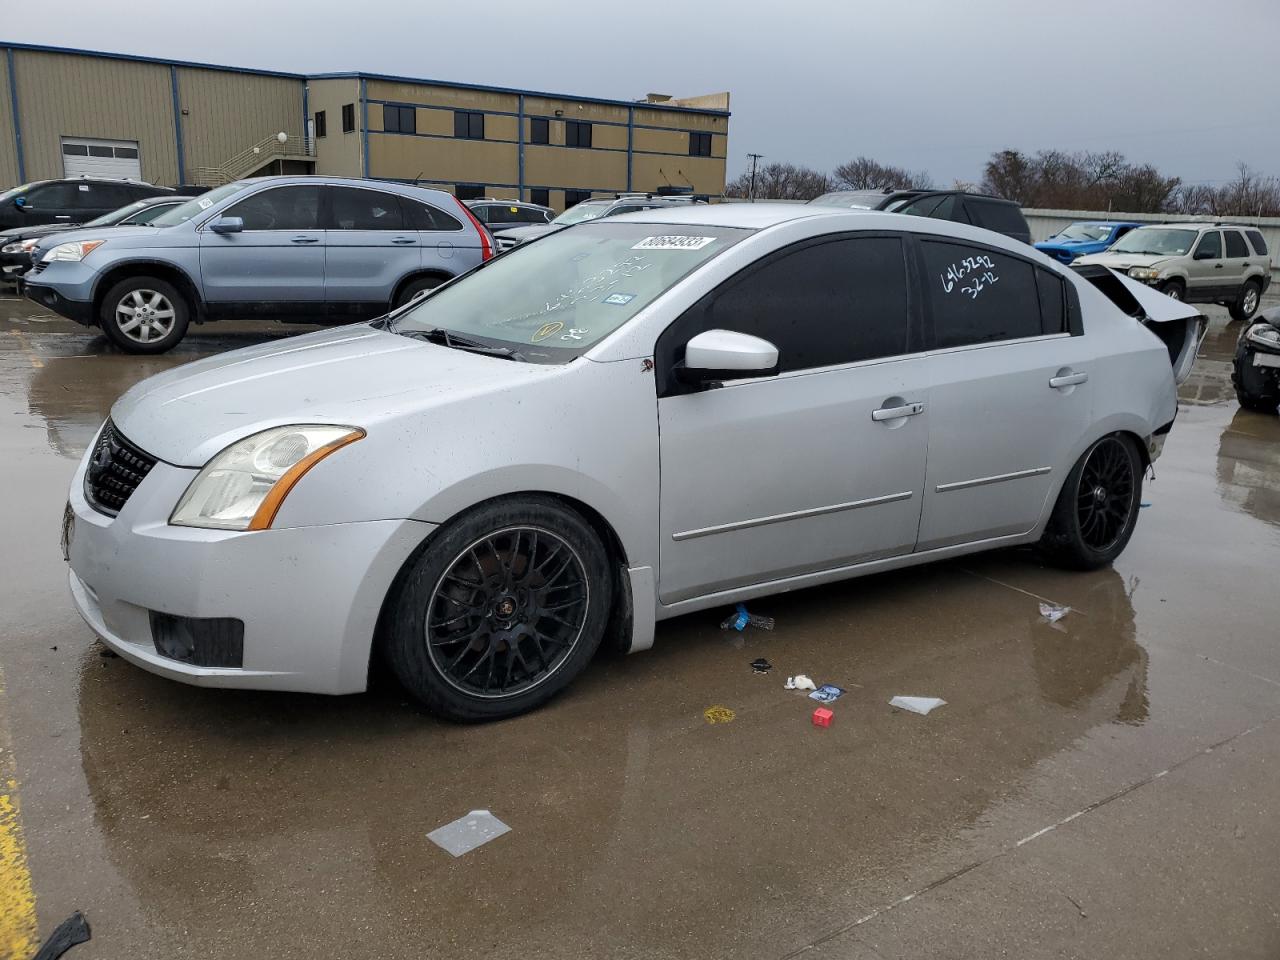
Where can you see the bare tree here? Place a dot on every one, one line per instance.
(1247, 195)
(1078, 181)
(863, 173)
(781, 181)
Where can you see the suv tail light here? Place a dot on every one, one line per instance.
(486, 241)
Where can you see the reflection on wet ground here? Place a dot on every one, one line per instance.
(1062, 803)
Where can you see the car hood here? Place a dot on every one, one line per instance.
(352, 375)
(1069, 244)
(529, 232)
(142, 233)
(32, 233)
(1123, 261)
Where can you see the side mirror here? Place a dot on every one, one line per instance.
(19, 202)
(227, 225)
(727, 355)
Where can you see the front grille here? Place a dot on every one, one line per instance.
(116, 467)
(199, 641)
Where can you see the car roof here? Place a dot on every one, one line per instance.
(368, 184)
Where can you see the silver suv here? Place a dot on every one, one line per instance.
(1219, 263)
(593, 209)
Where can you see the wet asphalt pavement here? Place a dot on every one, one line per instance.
(1105, 787)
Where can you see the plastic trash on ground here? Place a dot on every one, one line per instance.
(761, 665)
(799, 682)
(827, 693)
(741, 620)
(920, 705)
(1052, 613)
(466, 833)
(822, 717)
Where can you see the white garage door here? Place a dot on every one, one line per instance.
(101, 158)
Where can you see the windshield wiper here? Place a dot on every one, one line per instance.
(454, 341)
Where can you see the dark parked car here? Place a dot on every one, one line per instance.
(70, 200)
(1256, 371)
(17, 246)
(991, 213)
(499, 215)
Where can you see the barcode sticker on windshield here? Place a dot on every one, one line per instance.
(205, 203)
(673, 243)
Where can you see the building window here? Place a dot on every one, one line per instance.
(541, 196)
(399, 119)
(574, 197)
(348, 117)
(699, 144)
(539, 130)
(468, 125)
(468, 191)
(577, 133)
(321, 128)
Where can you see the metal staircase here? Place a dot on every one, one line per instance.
(254, 158)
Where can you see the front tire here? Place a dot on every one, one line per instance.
(1174, 289)
(144, 315)
(1257, 404)
(1097, 508)
(500, 611)
(1247, 304)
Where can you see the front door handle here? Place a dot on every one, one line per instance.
(306, 239)
(403, 240)
(897, 413)
(1217, 266)
(1070, 380)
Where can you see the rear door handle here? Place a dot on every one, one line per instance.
(1070, 380)
(403, 240)
(306, 239)
(897, 413)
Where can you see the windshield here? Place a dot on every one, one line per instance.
(581, 212)
(1084, 231)
(196, 205)
(115, 216)
(1155, 240)
(552, 299)
(15, 191)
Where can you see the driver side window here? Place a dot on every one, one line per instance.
(283, 208)
(1210, 246)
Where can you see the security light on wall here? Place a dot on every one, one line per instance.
(282, 137)
(559, 113)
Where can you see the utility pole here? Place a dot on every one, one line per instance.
(754, 157)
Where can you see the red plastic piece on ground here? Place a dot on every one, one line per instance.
(822, 717)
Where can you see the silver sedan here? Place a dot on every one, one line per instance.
(622, 422)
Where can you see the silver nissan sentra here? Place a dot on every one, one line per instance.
(622, 422)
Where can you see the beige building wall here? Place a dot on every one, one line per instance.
(8, 146)
(429, 158)
(67, 95)
(338, 154)
(230, 112)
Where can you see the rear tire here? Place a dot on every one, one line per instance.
(144, 315)
(1247, 304)
(1174, 289)
(413, 288)
(1097, 508)
(500, 611)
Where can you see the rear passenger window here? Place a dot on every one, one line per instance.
(1001, 217)
(352, 209)
(1236, 246)
(824, 304)
(1053, 302)
(530, 215)
(979, 295)
(284, 208)
(1259, 244)
(423, 216)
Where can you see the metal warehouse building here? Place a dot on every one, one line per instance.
(71, 112)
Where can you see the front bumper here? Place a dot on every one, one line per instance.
(309, 597)
(78, 310)
(13, 266)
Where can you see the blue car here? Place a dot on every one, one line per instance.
(1087, 236)
(296, 249)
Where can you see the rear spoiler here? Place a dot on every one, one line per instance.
(1180, 327)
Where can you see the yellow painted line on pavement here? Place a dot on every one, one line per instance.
(31, 351)
(19, 935)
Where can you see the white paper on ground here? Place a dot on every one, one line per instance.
(1052, 613)
(466, 833)
(921, 705)
(799, 682)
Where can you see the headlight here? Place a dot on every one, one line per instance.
(243, 487)
(1265, 335)
(1143, 273)
(73, 250)
(11, 248)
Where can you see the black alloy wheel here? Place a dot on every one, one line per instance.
(1104, 494)
(507, 612)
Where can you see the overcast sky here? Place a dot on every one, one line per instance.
(932, 84)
